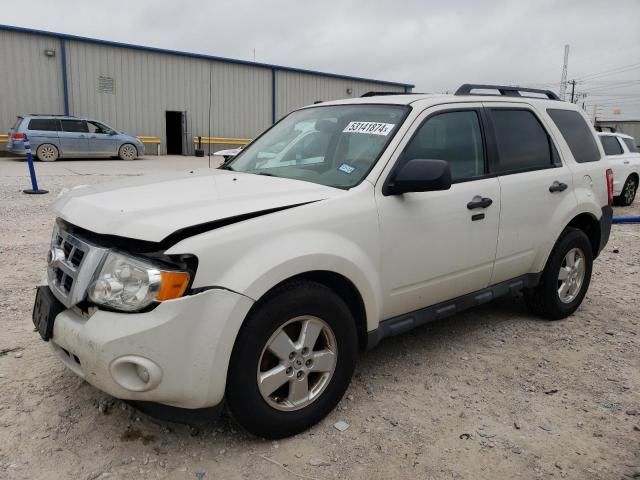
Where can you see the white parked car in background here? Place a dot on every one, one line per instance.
(258, 283)
(624, 160)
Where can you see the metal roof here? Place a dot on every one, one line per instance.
(65, 36)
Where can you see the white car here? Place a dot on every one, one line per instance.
(624, 160)
(258, 285)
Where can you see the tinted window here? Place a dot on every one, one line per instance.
(74, 126)
(611, 145)
(577, 134)
(631, 144)
(523, 144)
(453, 136)
(44, 124)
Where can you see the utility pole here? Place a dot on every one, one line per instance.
(573, 89)
(595, 112)
(563, 78)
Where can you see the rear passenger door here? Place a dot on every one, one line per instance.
(74, 138)
(536, 187)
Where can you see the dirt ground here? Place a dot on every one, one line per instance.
(493, 393)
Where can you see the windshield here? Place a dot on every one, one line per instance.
(331, 145)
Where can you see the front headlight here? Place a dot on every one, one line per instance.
(130, 284)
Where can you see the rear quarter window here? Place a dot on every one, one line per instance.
(43, 124)
(576, 133)
(631, 144)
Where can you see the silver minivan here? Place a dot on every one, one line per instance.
(60, 136)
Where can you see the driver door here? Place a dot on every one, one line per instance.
(442, 244)
(102, 140)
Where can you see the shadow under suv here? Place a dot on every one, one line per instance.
(60, 136)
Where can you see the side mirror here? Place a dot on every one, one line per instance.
(420, 175)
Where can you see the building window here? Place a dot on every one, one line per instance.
(106, 85)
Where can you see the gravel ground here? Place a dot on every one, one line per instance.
(493, 393)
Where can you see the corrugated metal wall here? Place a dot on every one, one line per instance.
(146, 84)
(295, 90)
(30, 82)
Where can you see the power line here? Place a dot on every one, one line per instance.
(611, 71)
(612, 86)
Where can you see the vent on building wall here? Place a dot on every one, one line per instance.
(106, 84)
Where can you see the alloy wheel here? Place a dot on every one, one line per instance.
(47, 153)
(297, 363)
(128, 152)
(571, 275)
(630, 191)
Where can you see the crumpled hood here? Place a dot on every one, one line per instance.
(153, 207)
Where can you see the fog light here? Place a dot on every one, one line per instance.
(136, 374)
(143, 373)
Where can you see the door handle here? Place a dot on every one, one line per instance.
(558, 187)
(627, 162)
(479, 202)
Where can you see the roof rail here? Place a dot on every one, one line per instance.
(504, 90)
(380, 94)
(50, 115)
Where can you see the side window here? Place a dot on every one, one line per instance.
(631, 145)
(452, 136)
(611, 145)
(44, 124)
(97, 127)
(576, 133)
(523, 143)
(74, 126)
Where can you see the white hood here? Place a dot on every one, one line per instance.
(152, 207)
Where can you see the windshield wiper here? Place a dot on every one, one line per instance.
(266, 174)
(226, 166)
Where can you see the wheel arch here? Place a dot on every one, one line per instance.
(341, 286)
(590, 225)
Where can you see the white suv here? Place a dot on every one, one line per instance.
(624, 160)
(258, 284)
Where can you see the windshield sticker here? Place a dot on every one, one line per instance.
(348, 169)
(372, 128)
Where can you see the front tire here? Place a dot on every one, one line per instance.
(292, 361)
(628, 194)
(47, 153)
(127, 152)
(565, 278)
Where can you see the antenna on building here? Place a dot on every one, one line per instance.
(563, 78)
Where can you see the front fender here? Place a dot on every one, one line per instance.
(281, 258)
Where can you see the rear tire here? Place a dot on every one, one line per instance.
(628, 194)
(275, 395)
(564, 281)
(47, 153)
(127, 152)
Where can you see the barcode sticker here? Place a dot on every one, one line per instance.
(371, 128)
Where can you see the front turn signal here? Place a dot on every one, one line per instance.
(172, 285)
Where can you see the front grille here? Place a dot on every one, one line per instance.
(72, 264)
